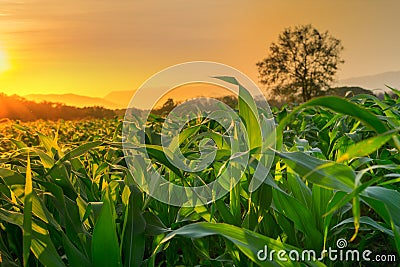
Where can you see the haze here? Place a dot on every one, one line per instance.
(95, 47)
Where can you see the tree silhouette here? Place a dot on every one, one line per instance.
(18, 108)
(302, 64)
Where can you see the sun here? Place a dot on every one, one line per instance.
(4, 65)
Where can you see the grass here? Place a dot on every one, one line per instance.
(68, 198)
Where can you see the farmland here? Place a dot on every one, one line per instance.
(67, 196)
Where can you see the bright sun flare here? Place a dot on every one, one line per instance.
(3, 62)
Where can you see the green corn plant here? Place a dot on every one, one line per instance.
(67, 197)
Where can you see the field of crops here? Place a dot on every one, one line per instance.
(67, 196)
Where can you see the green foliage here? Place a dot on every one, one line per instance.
(67, 197)
(18, 108)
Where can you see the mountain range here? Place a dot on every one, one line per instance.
(121, 99)
(374, 82)
(73, 100)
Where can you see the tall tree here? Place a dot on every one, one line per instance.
(302, 64)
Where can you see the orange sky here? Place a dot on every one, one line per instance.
(93, 47)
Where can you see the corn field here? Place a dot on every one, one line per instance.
(67, 197)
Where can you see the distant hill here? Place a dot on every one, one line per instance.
(373, 82)
(347, 90)
(179, 94)
(73, 100)
(18, 108)
(53, 106)
(120, 98)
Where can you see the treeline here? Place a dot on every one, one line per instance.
(231, 101)
(18, 108)
(170, 104)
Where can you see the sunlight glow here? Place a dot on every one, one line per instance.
(4, 65)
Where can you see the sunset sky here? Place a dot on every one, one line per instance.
(92, 47)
